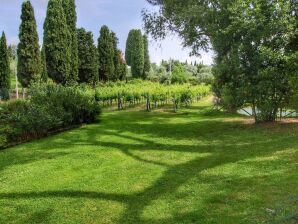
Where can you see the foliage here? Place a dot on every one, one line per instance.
(251, 41)
(135, 53)
(88, 59)
(106, 55)
(119, 62)
(121, 69)
(4, 69)
(56, 43)
(12, 52)
(29, 60)
(50, 108)
(181, 72)
(179, 75)
(147, 64)
(129, 47)
(195, 166)
(44, 72)
(69, 7)
(151, 93)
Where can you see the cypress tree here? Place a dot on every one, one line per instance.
(116, 56)
(44, 72)
(88, 60)
(137, 55)
(147, 64)
(106, 55)
(29, 61)
(56, 36)
(69, 7)
(129, 46)
(4, 69)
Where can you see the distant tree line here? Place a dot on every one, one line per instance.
(68, 54)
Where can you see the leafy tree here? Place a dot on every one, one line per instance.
(179, 74)
(69, 7)
(135, 53)
(44, 72)
(88, 61)
(249, 39)
(56, 37)
(106, 55)
(29, 61)
(4, 69)
(147, 63)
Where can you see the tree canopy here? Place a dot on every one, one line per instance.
(249, 39)
(106, 54)
(88, 60)
(4, 69)
(56, 43)
(29, 61)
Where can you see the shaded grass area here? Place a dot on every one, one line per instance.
(195, 166)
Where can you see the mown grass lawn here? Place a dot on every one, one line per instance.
(195, 166)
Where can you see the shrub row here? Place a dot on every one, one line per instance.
(49, 108)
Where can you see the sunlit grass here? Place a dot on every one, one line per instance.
(195, 166)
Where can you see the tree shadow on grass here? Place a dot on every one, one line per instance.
(233, 145)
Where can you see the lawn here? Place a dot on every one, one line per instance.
(194, 166)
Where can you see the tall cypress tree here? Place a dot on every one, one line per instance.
(106, 55)
(4, 69)
(115, 41)
(56, 36)
(137, 55)
(69, 7)
(135, 52)
(29, 61)
(88, 60)
(147, 64)
(129, 46)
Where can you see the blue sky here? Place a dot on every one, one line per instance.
(119, 15)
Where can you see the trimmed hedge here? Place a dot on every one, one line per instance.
(49, 109)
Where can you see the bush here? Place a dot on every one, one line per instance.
(50, 108)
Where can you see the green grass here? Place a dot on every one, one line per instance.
(195, 166)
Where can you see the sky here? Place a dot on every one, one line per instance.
(119, 15)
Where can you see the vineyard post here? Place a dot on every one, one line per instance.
(119, 101)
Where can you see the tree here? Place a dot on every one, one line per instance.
(4, 69)
(29, 61)
(106, 55)
(69, 7)
(135, 53)
(116, 56)
(129, 46)
(56, 36)
(249, 39)
(147, 64)
(88, 60)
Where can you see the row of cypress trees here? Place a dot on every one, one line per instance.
(68, 54)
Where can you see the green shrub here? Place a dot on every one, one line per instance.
(50, 108)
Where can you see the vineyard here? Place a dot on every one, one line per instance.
(149, 93)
